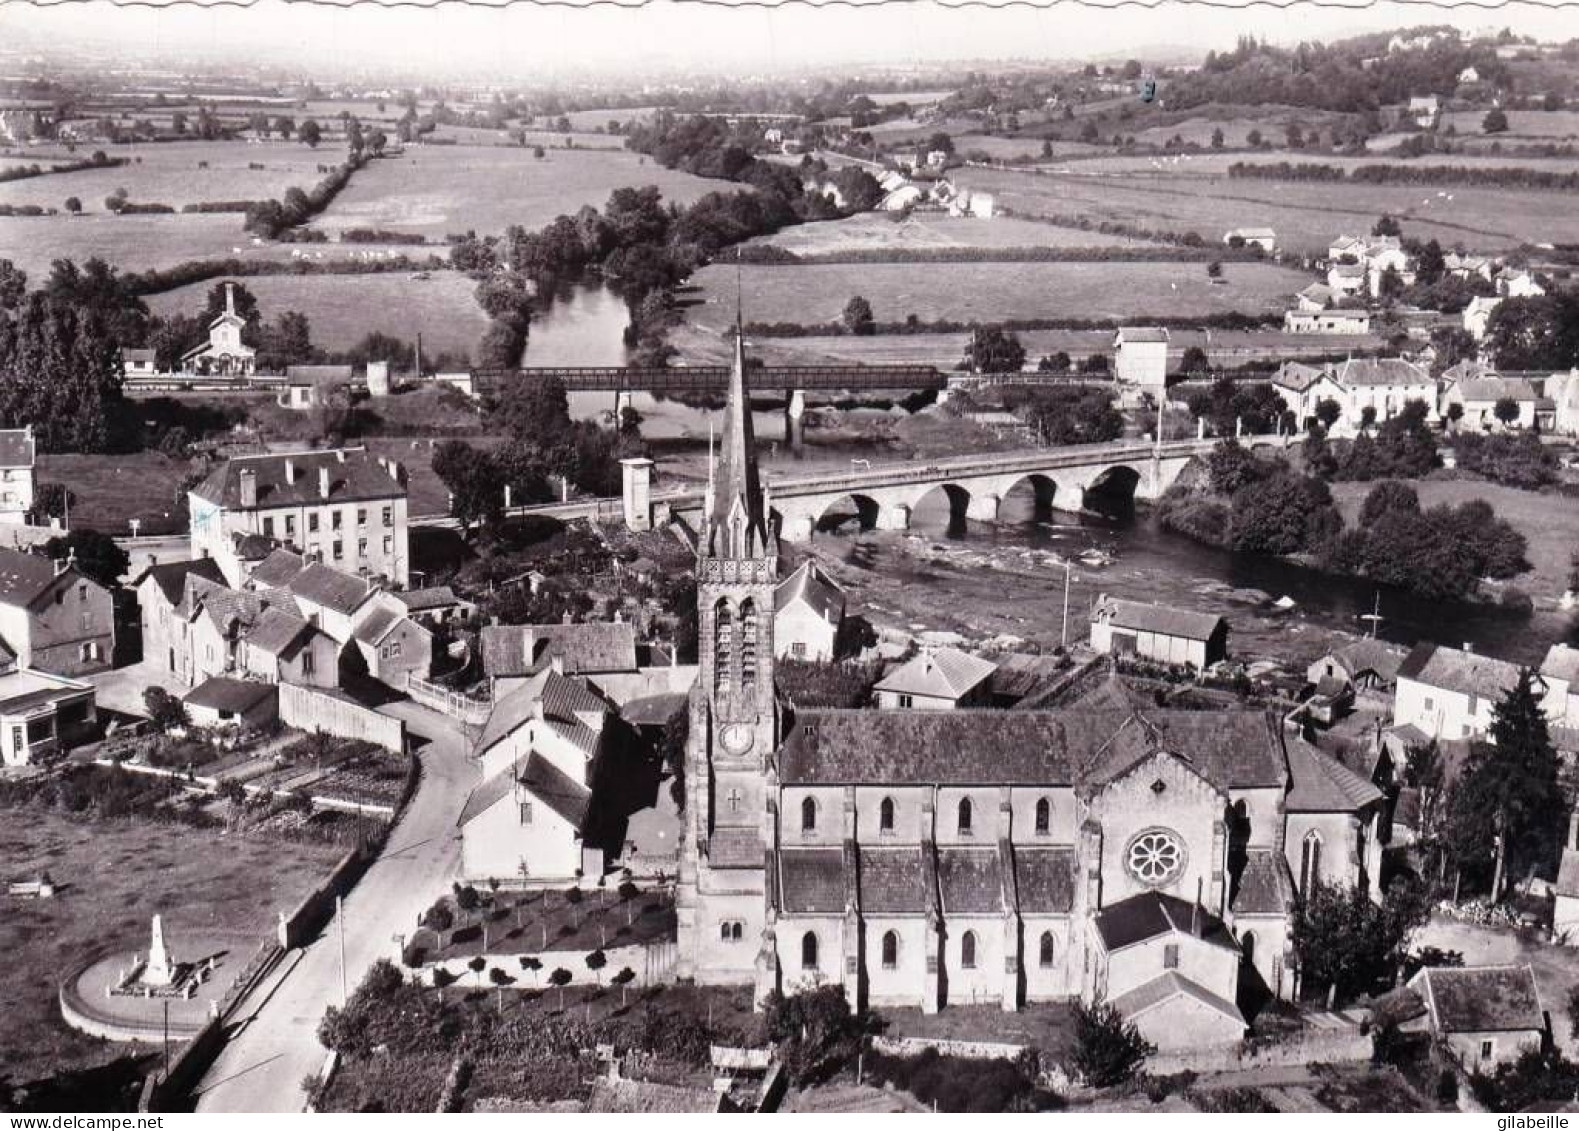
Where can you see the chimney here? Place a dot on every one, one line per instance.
(249, 487)
(290, 471)
(323, 482)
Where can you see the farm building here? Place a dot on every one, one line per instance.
(221, 701)
(1157, 632)
(1264, 238)
(939, 679)
(1485, 1015)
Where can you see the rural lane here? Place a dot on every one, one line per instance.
(276, 1047)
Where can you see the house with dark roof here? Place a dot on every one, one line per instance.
(1486, 1016)
(394, 645)
(435, 605)
(307, 386)
(1450, 693)
(161, 591)
(53, 617)
(1362, 665)
(344, 507)
(511, 654)
(1158, 632)
(808, 608)
(17, 486)
(223, 702)
(937, 679)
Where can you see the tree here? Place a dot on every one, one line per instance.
(442, 980)
(1217, 138)
(816, 1031)
(1506, 410)
(1387, 226)
(1194, 361)
(1495, 122)
(1253, 139)
(623, 980)
(992, 349)
(1388, 495)
(1109, 1049)
(73, 205)
(532, 964)
(1054, 363)
(311, 133)
(560, 978)
(1367, 418)
(475, 481)
(1214, 270)
(165, 711)
(477, 964)
(596, 961)
(97, 555)
(13, 285)
(1506, 807)
(1346, 944)
(857, 317)
(1327, 412)
(536, 412)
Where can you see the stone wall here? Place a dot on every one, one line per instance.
(1334, 1047)
(310, 709)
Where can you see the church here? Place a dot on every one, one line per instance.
(928, 859)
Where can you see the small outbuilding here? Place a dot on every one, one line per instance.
(223, 702)
(939, 679)
(1158, 632)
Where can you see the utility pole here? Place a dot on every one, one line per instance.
(339, 914)
(1064, 636)
(167, 1038)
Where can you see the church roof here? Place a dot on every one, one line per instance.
(735, 848)
(1322, 784)
(737, 524)
(970, 882)
(1151, 914)
(1231, 749)
(811, 881)
(893, 881)
(1045, 878)
(1264, 886)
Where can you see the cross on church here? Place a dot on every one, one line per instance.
(734, 800)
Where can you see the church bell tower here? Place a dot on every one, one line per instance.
(734, 712)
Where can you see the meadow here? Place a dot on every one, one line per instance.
(438, 190)
(171, 173)
(992, 292)
(111, 490)
(1545, 125)
(131, 243)
(1306, 215)
(343, 309)
(872, 231)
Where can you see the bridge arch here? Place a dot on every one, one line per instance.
(1113, 488)
(1044, 491)
(836, 511)
(955, 497)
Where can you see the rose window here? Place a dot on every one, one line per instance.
(1155, 857)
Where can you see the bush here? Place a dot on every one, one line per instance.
(1109, 1049)
(957, 1084)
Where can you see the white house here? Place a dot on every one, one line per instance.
(939, 679)
(1478, 313)
(1327, 322)
(1346, 280)
(808, 609)
(1515, 282)
(18, 488)
(139, 362)
(1479, 396)
(1317, 296)
(1449, 693)
(1469, 266)
(1264, 238)
(1384, 385)
(1141, 357)
(1157, 632)
(1425, 111)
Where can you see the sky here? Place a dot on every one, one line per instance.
(523, 39)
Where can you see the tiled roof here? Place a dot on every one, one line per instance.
(1482, 389)
(16, 447)
(1317, 292)
(222, 693)
(1170, 985)
(561, 697)
(1561, 662)
(1146, 916)
(893, 881)
(565, 698)
(565, 796)
(1480, 999)
(1466, 672)
(138, 355)
(811, 881)
(354, 473)
(312, 374)
(1142, 334)
(376, 625)
(23, 576)
(521, 649)
(1322, 784)
(1297, 376)
(1568, 873)
(276, 629)
(939, 673)
(1370, 655)
(329, 588)
(421, 600)
(1162, 619)
(735, 848)
(277, 569)
(970, 882)
(1045, 878)
(815, 588)
(1265, 887)
(1231, 749)
(1380, 371)
(486, 794)
(644, 1097)
(171, 576)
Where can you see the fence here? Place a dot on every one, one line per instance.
(469, 711)
(1332, 1047)
(313, 709)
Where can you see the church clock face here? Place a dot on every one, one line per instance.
(1155, 857)
(737, 737)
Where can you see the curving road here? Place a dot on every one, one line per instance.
(275, 1046)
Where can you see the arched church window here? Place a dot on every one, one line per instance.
(1155, 857)
(1044, 816)
(808, 815)
(885, 815)
(965, 816)
(1044, 955)
(808, 951)
(1247, 948)
(967, 950)
(723, 644)
(890, 950)
(1310, 863)
(748, 642)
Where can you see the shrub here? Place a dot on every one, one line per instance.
(1109, 1049)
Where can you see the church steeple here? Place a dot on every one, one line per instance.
(737, 521)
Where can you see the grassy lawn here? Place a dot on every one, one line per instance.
(344, 309)
(873, 231)
(989, 292)
(1549, 522)
(131, 243)
(112, 489)
(116, 875)
(529, 922)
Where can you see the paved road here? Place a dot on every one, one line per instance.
(276, 1047)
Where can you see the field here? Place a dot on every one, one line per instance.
(117, 874)
(110, 490)
(168, 173)
(870, 231)
(1305, 215)
(1523, 125)
(991, 292)
(1211, 165)
(438, 190)
(343, 309)
(129, 242)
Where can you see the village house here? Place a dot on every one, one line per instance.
(53, 617)
(394, 646)
(1425, 111)
(1515, 282)
(332, 599)
(1373, 256)
(1477, 315)
(344, 507)
(224, 354)
(1314, 298)
(1264, 238)
(1468, 267)
(939, 679)
(1363, 666)
(42, 715)
(1450, 693)
(1478, 398)
(512, 654)
(139, 362)
(1346, 280)
(1327, 322)
(1140, 358)
(1157, 632)
(808, 608)
(18, 488)
(224, 703)
(1384, 385)
(435, 605)
(1486, 1016)
(164, 599)
(283, 647)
